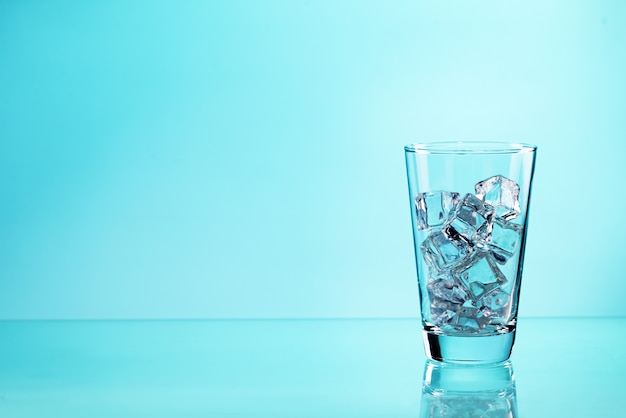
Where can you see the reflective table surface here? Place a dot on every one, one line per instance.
(302, 368)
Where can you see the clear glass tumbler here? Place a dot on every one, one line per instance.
(469, 209)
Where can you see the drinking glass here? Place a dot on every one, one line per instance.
(469, 210)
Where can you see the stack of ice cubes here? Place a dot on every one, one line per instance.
(469, 241)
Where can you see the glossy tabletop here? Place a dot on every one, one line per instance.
(290, 368)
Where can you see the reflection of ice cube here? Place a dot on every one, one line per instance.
(501, 193)
(441, 253)
(469, 221)
(468, 391)
(433, 207)
(479, 406)
(503, 239)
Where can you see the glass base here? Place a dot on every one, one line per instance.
(469, 349)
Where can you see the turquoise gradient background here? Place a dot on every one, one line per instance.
(243, 159)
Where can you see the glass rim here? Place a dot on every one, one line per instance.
(469, 147)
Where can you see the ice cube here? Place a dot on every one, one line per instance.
(480, 268)
(501, 193)
(446, 298)
(442, 313)
(445, 318)
(479, 290)
(470, 221)
(468, 324)
(504, 239)
(468, 311)
(432, 208)
(441, 253)
(447, 290)
(470, 319)
(495, 301)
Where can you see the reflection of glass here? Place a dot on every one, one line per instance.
(472, 391)
(469, 207)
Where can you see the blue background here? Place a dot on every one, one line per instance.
(230, 159)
